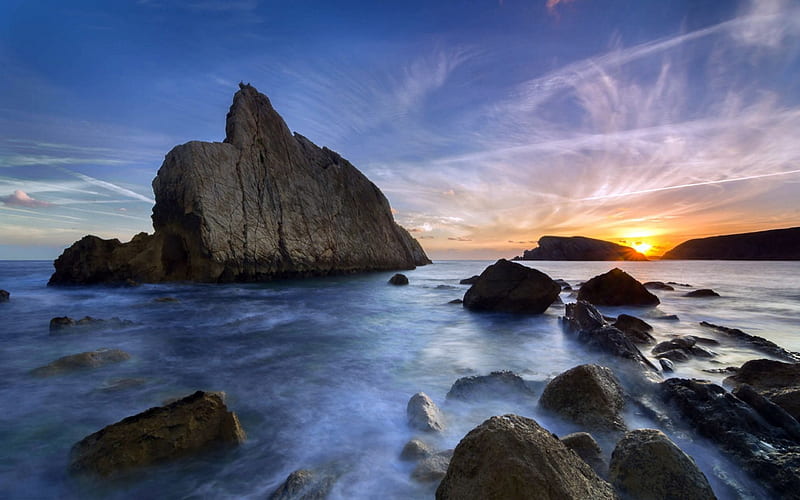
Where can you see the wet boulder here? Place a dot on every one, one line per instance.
(306, 484)
(496, 385)
(666, 364)
(398, 279)
(158, 434)
(616, 288)
(423, 414)
(589, 395)
(681, 349)
(81, 361)
(658, 285)
(586, 447)
(4, 296)
(506, 286)
(415, 450)
(775, 380)
(513, 457)
(637, 330)
(702, 292)
(647, 465)
(754, 342)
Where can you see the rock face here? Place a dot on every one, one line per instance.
(423, 414)
(514, 458)
(510, 287)
(579, 248)
(81, 361)
(589, 395)
(648, 466)
(775, 244)
(779, 382)
(616, 288)
(158, 434)
(262, 204)
(496, 385)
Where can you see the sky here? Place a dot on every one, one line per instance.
(487, 124)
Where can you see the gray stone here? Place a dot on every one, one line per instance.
(81, 361)
(496, 385)
(306, 484)
(588, 395)
(423, 414)
(587, 448)
(415, 450)
(432, 468)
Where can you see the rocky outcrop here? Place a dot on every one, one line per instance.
(703, 292)
(775, 244)
(777, 381)
(161, 433)
(681, 349)
(647, 465)
(415, 450)
(510, 287)
(754, 342)
(423, 414)
(262, 204)
(579, 248)
(514, 458)
(81, 361)
(637, 330)
(306, 484)
(616, 288)
(588, 395)
(496, 385)
(398, 279)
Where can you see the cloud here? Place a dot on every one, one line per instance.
(459, 238)
(22, 199)
(112, 187)
(552, 4)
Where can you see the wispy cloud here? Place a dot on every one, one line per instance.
(112, 187)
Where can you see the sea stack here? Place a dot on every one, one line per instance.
(263, 204)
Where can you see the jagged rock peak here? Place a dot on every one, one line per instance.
(263, 204)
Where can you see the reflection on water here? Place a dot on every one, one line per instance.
(320, 371)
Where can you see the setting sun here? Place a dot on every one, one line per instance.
(642, 247)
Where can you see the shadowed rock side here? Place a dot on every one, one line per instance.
(510, 287)
(616, 288)
(262, 204)
(775, 244)
(579, 248)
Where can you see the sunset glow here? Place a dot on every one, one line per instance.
(642, 247)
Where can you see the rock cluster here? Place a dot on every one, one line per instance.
(510, 287)
(263, 204)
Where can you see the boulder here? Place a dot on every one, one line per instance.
(415, 450)
(510, 287)
(587, 448)
(456, 301)
(616, 288)
(496, 385)
(306, 484)
(775, 380)
(681, 349)
(469, 281)
(674, 355)
(423, 414)
(432, 468)
(81, 361)
(263, 204)
(658, 285)
(511, 457)
(588, 395)
(4, 296)
(398, 279)
(666, 364)
(61, 322)
(703, 292)
(754, 342)
(579, 248)
(647, 465)
(637, 330)
(158, 434)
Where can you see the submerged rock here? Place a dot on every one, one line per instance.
(616, 288)
(423, 414)
(4, 296)
(158, 434)
(263, 204)
(514, 458)
(703, 292)
(647, 465)
(589, 395)
(62, 323)
(510, 287)
(658, 285)
(496, 385)
(433, 467)
(586, 447)
(775, 380)
(81, 361)
(579, 248)
(306, 484)
(754, 342)
(415, 450)
(398, 279)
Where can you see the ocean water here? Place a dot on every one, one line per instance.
(320, 371)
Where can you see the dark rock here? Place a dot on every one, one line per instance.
(775, 244)
(667, 317)
(61, 322)
(166, 299)
(658, 285)
(586, 447)
(514, 458)
(766, 452)
(757, 343)
(415, 450)
(703, 340)
(675, 283)
(4, 296)
(423, 414)
(701, 352)
(768, 410)
(398, 279)
(616, 288)
(592, 330)
(680, 343)
(82, 361)
(563, 284)
(432, 468)
(263, 204)
(637, 330)
(780, 382)
(703, 292)
(666, 364)
(589, 395)
(469, 281)
(647, 465)
(510, 287)
(496, 385)
(580, 248)
(727, 369)
(158, 434)
(306, 484)
(681, 349)
(675, 355)
(456, 301)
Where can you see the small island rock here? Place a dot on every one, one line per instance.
(398, 279)
(616, 288)
(506, 286)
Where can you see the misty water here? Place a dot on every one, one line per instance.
(319, 371)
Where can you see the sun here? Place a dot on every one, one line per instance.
(642, 247)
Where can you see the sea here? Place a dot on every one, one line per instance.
(319, 371)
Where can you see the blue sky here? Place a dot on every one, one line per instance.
(486, 124)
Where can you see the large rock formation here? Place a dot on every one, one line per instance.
(616, 288)
(579, 248)
(262, 204)
(510, 287)
(775, 244)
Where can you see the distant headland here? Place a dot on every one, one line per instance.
(775, 244)
(579, 248)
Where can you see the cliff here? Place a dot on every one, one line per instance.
(263, 204)
(775, 244)
(579, 248)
